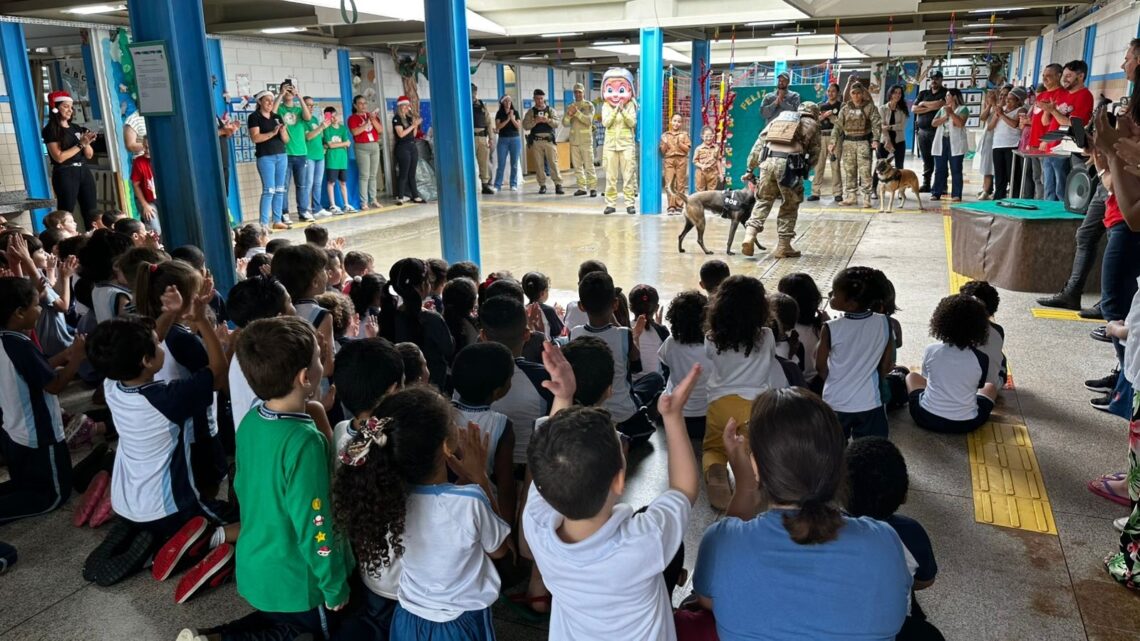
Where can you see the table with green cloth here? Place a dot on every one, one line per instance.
(1025, 250)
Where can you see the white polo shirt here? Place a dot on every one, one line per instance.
(953, 376)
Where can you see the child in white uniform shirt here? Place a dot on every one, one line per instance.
(995, 339)
(603, 562)
(576, 314)
(954, 396)
(249, 300)
(809, 325)
(393, 488)
(855, 351)
(685, 348)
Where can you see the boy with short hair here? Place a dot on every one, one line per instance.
(367, 370)
(31, 438)
(599, 299)
(251, 299)
(337, 141)
(317, 235)
(503, 321)
(292, 565)
(142, 182)
(481, 375)
(582, 538)
(713, 273)
(63, 221)
(302, 270)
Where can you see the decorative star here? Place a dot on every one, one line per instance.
(320, 537)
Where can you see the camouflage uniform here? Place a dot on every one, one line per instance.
(855, 128)
(768, 188)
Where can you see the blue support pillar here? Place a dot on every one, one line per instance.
(500, 81)
(550, 86)
(92, 85)
(1090, 44)
(25, 120)
(699, 65)
(1037, 62)
(652, 83)
(221, 109)
(449, 71)
(187, 164)
(344, 69)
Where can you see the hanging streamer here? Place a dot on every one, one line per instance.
(559, 48)
(990, 42)
(890, 32)
(797, 53)
(833, 64)
(672, 82)
(950, 43)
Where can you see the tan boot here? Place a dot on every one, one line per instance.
(718, 487)
(785, 250)
(749, 246)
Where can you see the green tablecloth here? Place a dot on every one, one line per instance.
(1046, 209)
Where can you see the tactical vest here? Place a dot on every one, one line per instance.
(480, 114)
(856, 122)
(543, 128)
(783, 128)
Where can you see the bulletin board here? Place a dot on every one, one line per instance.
(746, 123)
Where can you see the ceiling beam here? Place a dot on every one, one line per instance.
(962, 6)
(385, 38)
(38, 6)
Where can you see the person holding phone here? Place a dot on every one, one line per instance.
(296, 114)
(268, 133)
(365, 127)
(69, 148)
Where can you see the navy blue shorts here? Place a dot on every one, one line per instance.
(929, 421)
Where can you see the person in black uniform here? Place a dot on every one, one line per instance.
(69, 147)
(926, 106)
(404, 126)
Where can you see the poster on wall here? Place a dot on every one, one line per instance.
(152, 78)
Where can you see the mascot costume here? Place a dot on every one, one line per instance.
(619, 117)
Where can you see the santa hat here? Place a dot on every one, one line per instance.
(56, 97)
(403, 100)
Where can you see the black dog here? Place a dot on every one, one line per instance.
(733, 204)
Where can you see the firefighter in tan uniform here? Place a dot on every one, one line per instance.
(619, 117)
(482, 123)
(674, 147)
(541, 121)
(579, 117)
(784, 153)
(855, 135)
(706, 159)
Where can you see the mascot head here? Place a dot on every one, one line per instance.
(617, 86)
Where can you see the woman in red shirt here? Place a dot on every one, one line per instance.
(365, 127)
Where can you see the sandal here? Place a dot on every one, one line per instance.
(1101, 488)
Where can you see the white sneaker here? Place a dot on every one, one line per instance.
(335, 210)
(350, 209)
(514, 188)
(306, 217)
(1120, 523)
(189, 634)
(323, 213)
(285, 219)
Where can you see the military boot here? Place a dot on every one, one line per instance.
(784, 249)
(750, 244)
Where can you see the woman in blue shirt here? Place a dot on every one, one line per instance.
(800, 570)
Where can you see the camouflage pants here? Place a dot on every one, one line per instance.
(856, 163)
(768, 189)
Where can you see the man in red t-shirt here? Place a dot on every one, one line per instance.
(142, 179)
(1051, 78)
(1072, 100)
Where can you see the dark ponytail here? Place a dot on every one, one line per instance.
(405, 278)
(459, 298)
(152, 279)
(366, 292)
(798, 446)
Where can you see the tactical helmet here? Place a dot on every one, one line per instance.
(810, 109)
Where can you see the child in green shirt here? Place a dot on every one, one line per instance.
(292, 566)
(337, 141)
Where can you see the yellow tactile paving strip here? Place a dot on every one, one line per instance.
(1008, 488)
(1061, 314)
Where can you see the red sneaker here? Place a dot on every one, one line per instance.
(103, 510)
(91, 497)
(212, 570)
(189, 537)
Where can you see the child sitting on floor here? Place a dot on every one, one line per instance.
(684, 348)
(627, 403)
(393, 502)
(852, 350)
(742, 350)
(952, 395)
(292, 564)
(995, 339)
(366, 293)
(459, 298)
(645, 302)
(877, 485)
(536, 286)
(713, 273)
(301, 269)
(31, 439)
(481, 375)
(785, 313)
(375, 369)
(575, 313)
(602, 561)
(251, 299)
(404, 319)
(809, 324)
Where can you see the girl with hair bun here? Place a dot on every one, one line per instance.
(403, 318)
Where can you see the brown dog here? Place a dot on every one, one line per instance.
(733, 204)
(895, 181)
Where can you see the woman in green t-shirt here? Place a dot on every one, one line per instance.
(336, 141)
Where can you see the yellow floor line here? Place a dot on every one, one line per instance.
(1061, 314)
(1008, 488)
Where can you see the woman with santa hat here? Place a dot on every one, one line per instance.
(405, 124)
(69, 147)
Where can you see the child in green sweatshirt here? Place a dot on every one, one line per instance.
(291, 566)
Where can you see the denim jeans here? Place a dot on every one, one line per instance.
(272, 170)
(1088, 239)
(317, 183)
(1119, 271)
(507, 146)
(1054, 171)
(942, 164)
(301, 180)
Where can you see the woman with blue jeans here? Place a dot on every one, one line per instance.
(268, 133)
(510, 142)
(949, 147)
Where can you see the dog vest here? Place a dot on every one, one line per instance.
(783, 128)
(738, 200)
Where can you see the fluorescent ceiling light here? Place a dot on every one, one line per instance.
(668, 54)
(477, 49)
(95, 8)
(564, 34)
(533, 56)
(610, 43)
(792, 34)
(283, 30)
(581, 62)
(998, 10)
(979, 38)
(766, 23)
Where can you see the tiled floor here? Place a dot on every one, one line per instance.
(994, 583)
